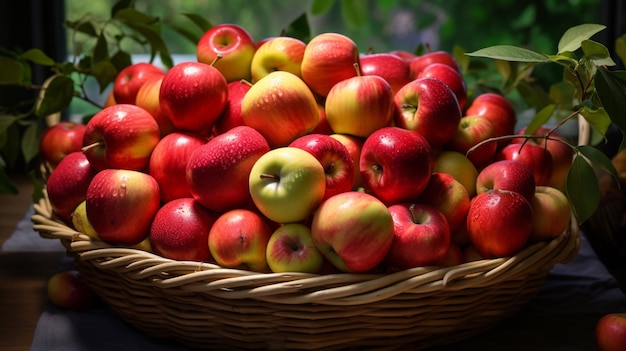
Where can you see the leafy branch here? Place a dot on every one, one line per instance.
(599, 98)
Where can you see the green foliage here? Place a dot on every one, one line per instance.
(597, 94)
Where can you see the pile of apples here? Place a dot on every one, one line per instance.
(280, 155)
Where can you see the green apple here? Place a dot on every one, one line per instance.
(287, 184)
(459, 166)
(291, 249)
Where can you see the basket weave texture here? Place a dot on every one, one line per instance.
(203, 305)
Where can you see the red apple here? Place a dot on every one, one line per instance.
(60, 140)
(449, 196)
(393, 68)
(406, 55)
(449, 75)
(322, 126)
(360, 105)
(130, 79)
(328, 59)
(610, 332)
(418, 63)
(499, 223)
(421, 236)
(454, 256)
(235, 47)
(231, 116)
(496, 108)
(291, 249)
(148, 99)
(334, 157)
(459, 166)
(281, 107)
(552, 212)
(537, 158)
(218, 171)
(278, 54)
(353, 230)
(353, 145)
(180, 230)
(471, 131)
(429, 107)
(193, 95)
(396, 164)
(121, 204)
(507, 175)
(168, 163)
(66, 289)
(67, 184)
(121, 136)
(238, 239)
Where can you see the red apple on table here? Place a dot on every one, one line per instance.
(291, 249)
(353, 230)
(610, 332)
(67, 289)
(218, 171)
(499, 223)
(459, 166)
(449, 75)
(278, 54)
(507, 175)
(472, 131)
(121, 204)
(420, 62)
(231, 116)
(328, 59)
(353, 145)
(496, 108)
(180, 230)
(360, 105)
(537, 158)
(131, 78)
(396, 164)
(449, 196)
(421, 236)
(193, 95)
(60, 140)
(148, 99)
(238, 239)
(121, 136)
(562, 154)
(334, 157)
(287, 184)
(552, 212)
(68, 183)
(168, 163)
(235, 47)
(429, 107)
(393, 68)
(281, 107)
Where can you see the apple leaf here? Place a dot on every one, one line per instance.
(11, 71)
(599, 159)
(82, 26)
(620, 48)
(202, 23)
(5, 122)
(610, 89)
(101, 50)
(121, 5)
(583, 197)
(105, 74)
(57, 96)
(510, 53)
(120, 60)
(597, 118)
(573, 37)
(597, 52)
(354, 12)
(540, 119)
(39, 57)
(30, 141)
(321, 7)
(299, 29)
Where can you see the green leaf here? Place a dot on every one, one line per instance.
(597, 52)
(6, 121)
(84, 27)
(120, 60)
(30, 142)
(199, 21)
(156, 41)
(540, 119)
(130, 15)
(190, 35)
(299, 29)
(101, 50)
(11, 72)
(597, 118)
(599, 159)
(39, 57)
(573, 37)
(105, 74)
(354, 12)
(620, 48)
(610, 90)
(121, 5)
(321, 7)
(582, 189)
(57, 96)
(459, 54)
(510, 53)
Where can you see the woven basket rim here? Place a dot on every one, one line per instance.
(298, 288)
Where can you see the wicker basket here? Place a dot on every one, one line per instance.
(202, 305)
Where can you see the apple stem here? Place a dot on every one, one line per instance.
(243, 81)
(91, 146)
(217, 58)
(428, 48)
(357, 68)
(269, 176)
